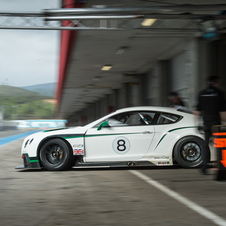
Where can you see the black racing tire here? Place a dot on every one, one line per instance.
(188, 151)
(55, 155)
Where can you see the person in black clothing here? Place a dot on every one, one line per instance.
(175, 101)
(211, 106)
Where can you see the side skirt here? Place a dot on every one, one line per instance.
(113, 164)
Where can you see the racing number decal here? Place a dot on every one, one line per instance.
(121, 145)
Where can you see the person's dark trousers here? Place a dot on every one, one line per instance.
(206, 152)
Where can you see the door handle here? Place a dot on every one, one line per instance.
(147, 132)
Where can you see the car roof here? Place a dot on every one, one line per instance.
(143, 108)
(149, 108)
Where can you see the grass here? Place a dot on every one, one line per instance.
(23, 104)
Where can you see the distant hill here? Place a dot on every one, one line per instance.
(19, 94)
(11, 91)
(24, 104)
(46, 89)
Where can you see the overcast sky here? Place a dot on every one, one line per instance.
(28, 57)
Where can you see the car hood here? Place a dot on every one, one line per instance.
(70, 130)
(59, 131)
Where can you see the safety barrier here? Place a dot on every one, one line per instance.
(7, 125)
(219, 133)
(41, 124)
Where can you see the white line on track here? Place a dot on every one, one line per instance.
(192, 205)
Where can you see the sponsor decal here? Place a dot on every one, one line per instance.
(219, 142)
(78, 145)
(78, 152)
(163, 157)
(163, 163)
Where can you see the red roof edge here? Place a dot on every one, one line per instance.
(66, 42)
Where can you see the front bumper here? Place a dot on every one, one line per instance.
(29, 162)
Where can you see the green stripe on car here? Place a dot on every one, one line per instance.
(172, 130)
(31, 159)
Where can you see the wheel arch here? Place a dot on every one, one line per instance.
(173, 152)
(46, 139)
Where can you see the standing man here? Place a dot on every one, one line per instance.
(212, 107)
(175, 101)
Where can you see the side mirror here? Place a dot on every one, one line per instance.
(103, 124)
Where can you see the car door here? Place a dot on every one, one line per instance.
(127, 138)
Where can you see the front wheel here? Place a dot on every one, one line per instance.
(56, 155)
(188, 151)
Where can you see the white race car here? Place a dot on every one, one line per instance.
(136, 136)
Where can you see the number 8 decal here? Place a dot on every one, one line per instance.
(121, 145)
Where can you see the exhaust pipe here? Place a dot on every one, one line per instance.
(131, 164)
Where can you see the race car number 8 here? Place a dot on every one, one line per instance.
(121, 145)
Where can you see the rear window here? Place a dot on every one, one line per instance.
(166, 118)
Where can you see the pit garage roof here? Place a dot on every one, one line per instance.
(131, 51)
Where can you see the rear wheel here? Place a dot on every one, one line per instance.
(188, 151)
(56, 155)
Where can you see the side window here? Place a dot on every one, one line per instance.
(133, 118)
(165, 118)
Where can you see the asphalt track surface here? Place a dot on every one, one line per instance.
(148, 196)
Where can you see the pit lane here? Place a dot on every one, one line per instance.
(103, 196)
